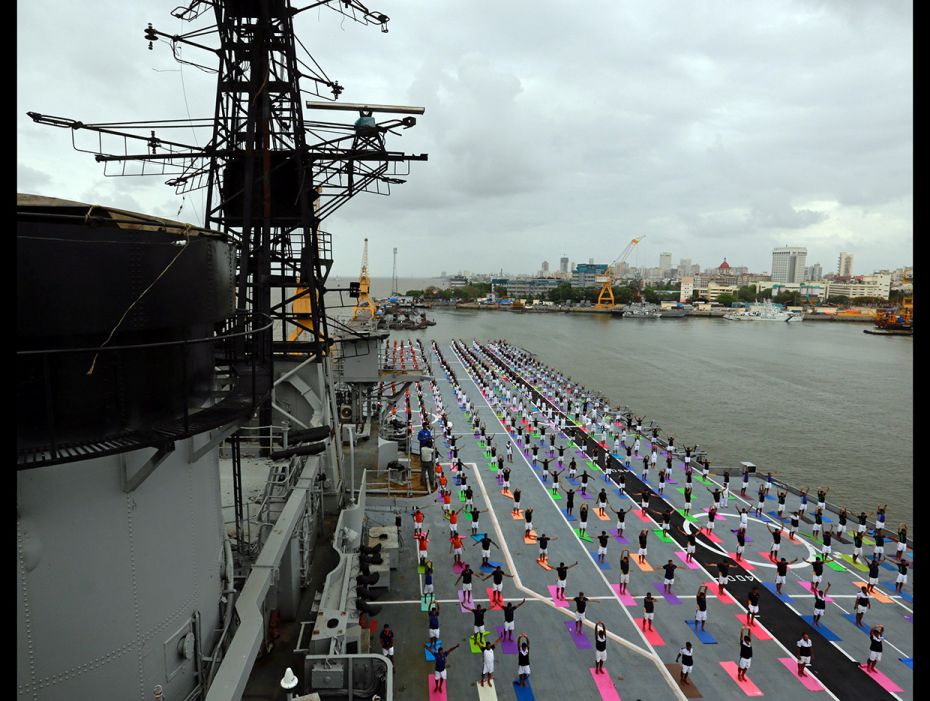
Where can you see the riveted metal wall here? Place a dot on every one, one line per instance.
(107, 581)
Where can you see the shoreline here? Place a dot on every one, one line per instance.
(715, 313)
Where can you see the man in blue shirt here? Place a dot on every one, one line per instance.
(425, 437)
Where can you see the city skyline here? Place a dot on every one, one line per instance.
(713, 165)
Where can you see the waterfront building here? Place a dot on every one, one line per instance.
(584, 273)
(878, 285)
(844, 265)
(788, 264)
(456, 281)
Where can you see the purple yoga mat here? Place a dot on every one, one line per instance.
(581, 642)
(670, 598)
(616, 534)
(508, 646)
(465, 608)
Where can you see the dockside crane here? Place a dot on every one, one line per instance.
(364, 303)
(607, 279)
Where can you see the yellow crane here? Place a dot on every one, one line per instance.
(364, 303)
(607, 279)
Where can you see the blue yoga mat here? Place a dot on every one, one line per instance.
(822, 629)
(703, 635)
(909, 661)
(429, 655)
(603, 565)
(888, 586)
(864, 628)
(523, 693)
(771, 587)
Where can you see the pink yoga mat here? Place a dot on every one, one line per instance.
(747, 686)
(465, 607)
(560, 603)
(758, 632)
(810, 588)
(690, 565)
(725, 598)
(883, 681)
(651, 635)
(712, 537)
(625, 598)
(605, 685)
(807, 680)
(433, 694)
(638, 513)
(742, 563)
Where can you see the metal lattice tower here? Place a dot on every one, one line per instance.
(271, 176)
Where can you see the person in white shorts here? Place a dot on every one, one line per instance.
(523, 658)
(863, 604)
(600, 647)
(700, 612)
(687, 662)
(434, 623)
(876, 637)
(745, 653)
(804, 653)
(487, 669)
(439, 673)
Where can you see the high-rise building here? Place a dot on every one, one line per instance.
(788, 264)
(814, 272)
(684, 267)
(665, 261)
(563, 264)
(590, 261)
(844, 265)
(545, 266)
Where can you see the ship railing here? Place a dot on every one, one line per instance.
(241, 381)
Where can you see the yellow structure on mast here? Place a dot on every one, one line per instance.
(607, 279)
(364, 302)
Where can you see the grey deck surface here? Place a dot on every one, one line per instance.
(559, 669)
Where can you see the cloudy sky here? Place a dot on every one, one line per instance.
(712, 128)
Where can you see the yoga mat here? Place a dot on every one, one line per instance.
(465, 607)
(864, 628)
(523, 693)
(517, 516)
(638, 513)
(620, 493)
(531, 538)
(746, 685)
(670, 598)
(458, 567)
(488, 568)
(585, 495)
(810, 587)
(822, 629)
(771, 587)
(908, 661)
(602, 517)
(507, 493)
(846, 558)
(712, 537)
(545, 565)
(568, 516)
(758, 632)
(478, 537)
(882, 680)
(605, 685)
(742, 563)
(625, 597)
(494, 604)
(888, 586)
(559, 603)
(602, 565)
(584, 536)
(886, 566)
(581, 642)
(619, 538)
(875, 593)
(473, 645)
(643, 566)
(430, 657)
(425, 601)
(684, 559)
(431, 686)
(664, 538)
(807, 680)
(835, 566)
(651, 635)
(555, 495)
(686, 515)
(724, 598)
(702, 635)
(509, 647)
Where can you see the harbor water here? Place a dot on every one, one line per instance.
(820, 404)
